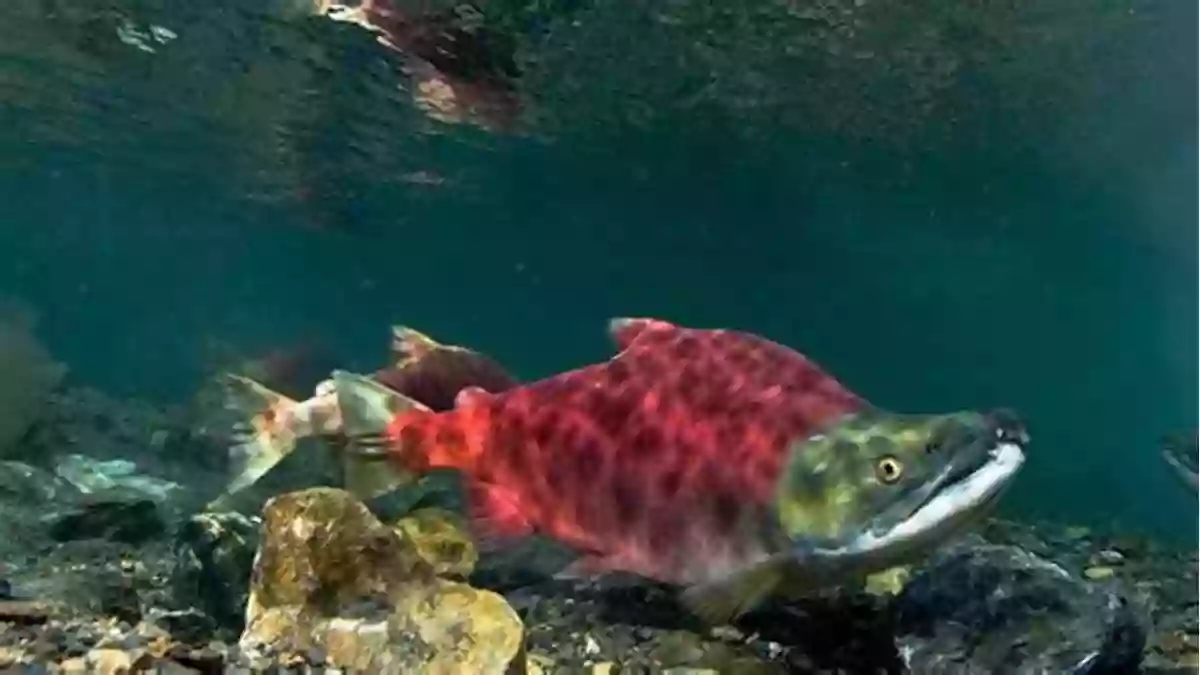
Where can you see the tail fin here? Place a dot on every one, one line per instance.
(367, 408)
(263, 432)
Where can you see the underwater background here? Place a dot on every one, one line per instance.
(954, 230)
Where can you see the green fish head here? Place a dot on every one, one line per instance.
(878, 489)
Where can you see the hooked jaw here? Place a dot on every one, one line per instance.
(962, 490)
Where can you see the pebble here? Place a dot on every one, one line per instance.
(1097, 573)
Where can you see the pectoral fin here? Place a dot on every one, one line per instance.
(721, 601)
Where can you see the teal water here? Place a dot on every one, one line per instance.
(1024, 234)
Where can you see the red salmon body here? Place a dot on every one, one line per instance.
(649, 463)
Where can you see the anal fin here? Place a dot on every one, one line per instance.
(497, 519)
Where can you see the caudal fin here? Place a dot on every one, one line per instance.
(367, 408)
(262, 430)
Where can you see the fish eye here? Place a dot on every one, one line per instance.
(888, 469)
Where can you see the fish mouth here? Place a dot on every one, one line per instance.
(962, 492)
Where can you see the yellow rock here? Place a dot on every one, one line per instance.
(1098, 572)
(888, 582)
(322, 549)
(536, 664)
(73, 666)
(685, 653)
(108, 661)
(330, 575)
(440, 540)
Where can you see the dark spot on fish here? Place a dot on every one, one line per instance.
(645, 441)
(689, 385)
(589, 460)
(448, 437)
(412, 436)
(670, 481)
(628, 500)
(617, 372)
(737, 357)
(733, 432)
(510, 444)
(727, 512)
(766, 471)
(545, 428)
(799, 423)
(686, 347)
(568, 435)
(610, 412)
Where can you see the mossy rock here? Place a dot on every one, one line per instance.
(330, 576)
(440, 539)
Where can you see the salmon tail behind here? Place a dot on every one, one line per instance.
(367, 408)
(262, 430)
(410, 345)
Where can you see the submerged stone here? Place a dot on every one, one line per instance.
(331, 578)
(440, 540)
(213, 555)
(130, 520)
(92, 475)
(999, 609)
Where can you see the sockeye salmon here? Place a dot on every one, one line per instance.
(711, 459)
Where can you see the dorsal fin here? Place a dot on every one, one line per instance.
(409, 345)
(624, 330)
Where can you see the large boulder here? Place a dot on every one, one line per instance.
(1000, 609)
(330, 577)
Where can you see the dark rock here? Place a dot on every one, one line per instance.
(187, 625)
(26, 484)
(24, 611)
(119, 599)
(25, 494)
(999, 610)
(130, 521)
(172, 667)
(203, 660)
(214, 553)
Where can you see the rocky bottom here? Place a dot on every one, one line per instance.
(109, 565)
(334, 589)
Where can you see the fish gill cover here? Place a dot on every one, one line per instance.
(860, 231)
